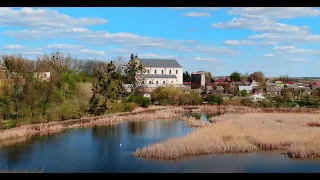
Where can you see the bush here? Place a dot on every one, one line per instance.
(192, 98)
(215, 99)
(146, 102)
(128, 107)
(247, 102)
(8, 124)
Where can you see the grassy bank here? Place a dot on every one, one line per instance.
(244, 109)
(296, 134)
(52, 127)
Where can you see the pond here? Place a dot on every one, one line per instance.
(110, 148)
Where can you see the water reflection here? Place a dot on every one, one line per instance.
(110, 148)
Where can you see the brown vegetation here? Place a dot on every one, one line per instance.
(243, 109)
(145, 115)
(234, 133)
(193, 122)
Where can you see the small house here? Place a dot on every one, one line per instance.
(247, 88)
(257, 97)
(42, 72)
(254, 84)
(273, 90)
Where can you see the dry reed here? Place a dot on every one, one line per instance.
(234, 133)
(52, 127)
(193, 122)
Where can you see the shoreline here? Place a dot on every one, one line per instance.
(295, 134)
(55, 127)
(142, 114)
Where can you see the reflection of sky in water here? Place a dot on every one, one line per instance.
(98, 149)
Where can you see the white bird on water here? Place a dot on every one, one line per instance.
(120, 144)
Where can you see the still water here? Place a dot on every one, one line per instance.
(98, 149)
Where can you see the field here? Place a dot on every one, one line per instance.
(297, 134)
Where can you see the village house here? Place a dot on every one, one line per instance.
(158, 72)
(161, 71)
(254, 84)
(42, 72)
(247, 88)
(273, 90)
(257, 97)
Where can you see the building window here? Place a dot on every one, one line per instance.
(176, 71)
(171, 82)
(161, 71)
(142, 82)
(169, 71)
(156, 82)
(155, 71)
(150, 82)
(148, 71)
(164, 82)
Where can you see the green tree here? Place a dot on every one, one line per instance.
(215, 99)
(235, 76)
(186, 77)
(103, 88)
(243, 93)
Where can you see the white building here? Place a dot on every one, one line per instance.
(161, 71)
(257, 97)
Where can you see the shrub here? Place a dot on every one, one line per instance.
(146, 102)
(215, 99)
(247, 102)
(8, 124)
(128, 107)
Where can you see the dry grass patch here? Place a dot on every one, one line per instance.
(193, 122)
(235, 133)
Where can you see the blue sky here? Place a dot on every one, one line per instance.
(277, 41)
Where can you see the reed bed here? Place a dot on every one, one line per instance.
(54, 127)
(234, 133)
(193, 122)
(244, 109)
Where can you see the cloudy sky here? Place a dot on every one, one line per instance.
(278, 41)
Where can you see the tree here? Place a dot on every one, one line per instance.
(104, 88)
(215, 99)
(245, 77)
(287, 95)
(235, 76)
(243, 93)
(208, 78)
(133, 73)
(258, 76)
(186, 77)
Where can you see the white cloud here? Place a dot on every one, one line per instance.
(294, 50)
(156, 56)
(217, 50)
(288, 37)
(260, 25)
(196, 14)
(269, 55)
(275, 12)
(43, 18)
(63, 46)
(249, 43)
(299, 60)
(12, 46)
(206, 59)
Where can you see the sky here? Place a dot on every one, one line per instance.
(277, 41)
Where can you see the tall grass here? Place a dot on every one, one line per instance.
(234, 133)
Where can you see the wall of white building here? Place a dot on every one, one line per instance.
(160, 81)
(174, 71)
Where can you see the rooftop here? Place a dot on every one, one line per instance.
(159, 63)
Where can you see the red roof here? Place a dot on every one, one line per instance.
(219, 80)
(290, 82)
(186, 83)
(317, 83)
